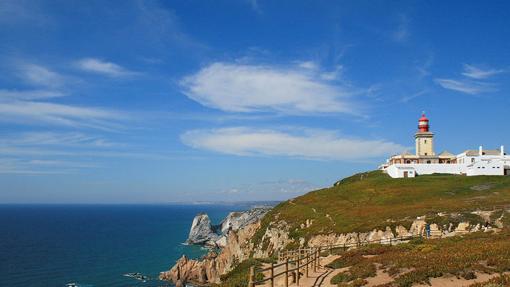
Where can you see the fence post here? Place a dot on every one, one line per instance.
(314, 260)
(251, 280)
(306, 264)
(297, 269)
(319, 257)
(272, 274)
(287, 272)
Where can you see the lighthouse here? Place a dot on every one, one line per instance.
(424, 138)
(425, 161)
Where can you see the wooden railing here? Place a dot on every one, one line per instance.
(306, 259)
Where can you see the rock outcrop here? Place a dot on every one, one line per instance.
(236, 220)
(417, 228)
(202, 231)
(213, 265)
(239, 247)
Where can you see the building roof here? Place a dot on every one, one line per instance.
(446, 154)
(472, 152)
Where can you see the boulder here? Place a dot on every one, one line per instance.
(202, 231)
(237, 220)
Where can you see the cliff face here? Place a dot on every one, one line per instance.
(202, 231)
(277, 237)
(208, 270)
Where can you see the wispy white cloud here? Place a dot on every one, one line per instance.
(160, 24)
(306, 143)
(245, 88)
(466, 86)
(29, 94)
(103, 67)
(283, 187)
(474, 81)
(22, 11)
(40, 76)
(402, 32)
(44, 138)
(38, 113)
(479, 73)
(407, 98)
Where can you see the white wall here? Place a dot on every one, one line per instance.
(437, 168)
(397, 170)
(486, 167)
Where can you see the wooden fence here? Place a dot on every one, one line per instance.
(308, 258)
(305, 259)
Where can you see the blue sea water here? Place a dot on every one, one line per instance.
(94, 245)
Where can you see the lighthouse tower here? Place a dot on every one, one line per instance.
(424, 138)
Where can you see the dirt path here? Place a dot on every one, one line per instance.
(314, 279)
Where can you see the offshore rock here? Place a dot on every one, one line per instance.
(236, 220)
(212, 266)
(202, 231)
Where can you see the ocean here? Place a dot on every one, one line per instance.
(94, 245)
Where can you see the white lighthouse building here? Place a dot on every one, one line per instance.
(425, 160)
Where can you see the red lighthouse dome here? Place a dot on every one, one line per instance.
(423, 123)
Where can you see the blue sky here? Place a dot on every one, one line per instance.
(160, 101)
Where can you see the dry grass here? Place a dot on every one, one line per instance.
(372, 200)
(420, 260)
(500, 281)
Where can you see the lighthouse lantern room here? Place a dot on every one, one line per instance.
(424, 138)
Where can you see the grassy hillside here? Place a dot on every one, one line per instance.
(374, 200)
(420, 260)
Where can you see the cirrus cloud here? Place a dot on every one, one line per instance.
(307, 143)
(467, 87)
(234, 87)
(103, 67)
(479, 73)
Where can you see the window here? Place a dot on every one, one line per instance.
(428, 161)
(472, 160)
(425, 141)
(408, 161)
(425, 153)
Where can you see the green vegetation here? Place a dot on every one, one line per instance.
(358, 271)
(420, 260)
(372, 200)
(500, 281)
(238, 276)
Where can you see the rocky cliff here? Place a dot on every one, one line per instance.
(202, 231)
(364, 207)
(209, 269)
(239, 245)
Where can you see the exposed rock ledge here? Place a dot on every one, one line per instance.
(239, 247)
(202, 232)
(209, 269)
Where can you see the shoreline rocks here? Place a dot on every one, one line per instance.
(202, 232)
(239, 229)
